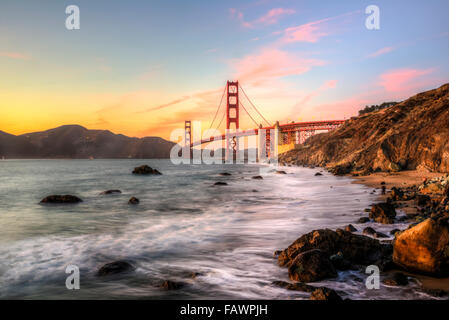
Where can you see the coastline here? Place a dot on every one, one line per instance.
(405, 179)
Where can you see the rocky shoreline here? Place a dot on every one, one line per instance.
(419, 253)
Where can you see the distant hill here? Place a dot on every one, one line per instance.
(413, 134)
(77, 142)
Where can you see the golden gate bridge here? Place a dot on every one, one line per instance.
(286, 135)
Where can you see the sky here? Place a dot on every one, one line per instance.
(141, 68)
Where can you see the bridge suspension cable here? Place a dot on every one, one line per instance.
(255, 108)
(255, 122)
(218, 109)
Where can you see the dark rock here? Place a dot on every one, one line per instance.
(340, 263)
(394, 231)
(382, 183)
(422, 200)
(110, 192)
(310, 266)
(220, 183)
(384, 189)
(397, 194)
(277, 253)
(133, 200)
(146, 170)
(61, 199)
(318, 174)
(225, 174)
(324, 293)
(280, 172)
(380, 235)
(255, 190)
(297, 286)
(357, 249)
(383, 213)
(257, 178)
(115, 268)
(172, 285)
(363, 220)
(396, 279)
(350, 228)
(369, 231)
(439, 293)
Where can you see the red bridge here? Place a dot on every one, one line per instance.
(289, 134)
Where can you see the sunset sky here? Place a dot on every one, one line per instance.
(141, 68)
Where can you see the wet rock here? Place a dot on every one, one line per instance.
(394, 231)
(280, 172)
(422, 200)
(277, 253)
(397, 194)
(439, 293)
(383, 213)
(350, 228)
(225, 174)
(424, 248)
(318, 174)
(257, 178)
(340, 263)
(255, 190)
(380, 235)
(396, 279)
(146, 170)
(220, 183)
(369, 231)
(357, 249)
(111, 192)
(363, 220)
(384, 190)
(133, 200)
(61, 199)
(172, 285)
(115, 268)
(310, 266)
(324, 293)
(297, 286)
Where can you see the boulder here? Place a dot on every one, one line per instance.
(357, 249)
(115, 268)
(146, 170)
(297, 286)
(383, 213)
(225, 174)
(257, 178)
(133, 200)
(280, 172)
(340, 263)
(397, 194)
(65, 199)
(171, 285)
(310, 266)
(318, 174)
(369, 231)
(324, 293)
(110, 192)
(396, 279)
(350, 228)
(220, 183)
(422, 200)
(363, 220)
(424, 248)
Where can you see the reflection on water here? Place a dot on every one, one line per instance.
(183, 224)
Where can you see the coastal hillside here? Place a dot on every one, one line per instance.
(77, 142)
(413, 134)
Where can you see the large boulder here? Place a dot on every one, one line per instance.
(65, 199)
(356, 249)
(146, 170)
(311, 266)
(424, 248)
(383, 213)
(324, 293)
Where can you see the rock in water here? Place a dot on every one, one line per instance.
(146, 170)
(350, 228)
(318, 174)
(383, 213)
(110, 192)
(355, 248)
(280, 172)
(220, 183)
(311, 266)
(133, 200)
(257, 178)
(225, 174)
(325, 294)
(115, 268)
(424, 248)
(61, 199)
(172, 285)
(397, 279)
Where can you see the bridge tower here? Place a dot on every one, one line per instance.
(232, 118)
(188, 139)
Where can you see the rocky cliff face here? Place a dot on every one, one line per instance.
(77, 142)
(413, 134)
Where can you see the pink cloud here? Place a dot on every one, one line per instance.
(309, 32)
(271, 17)
(381, 52)
(401, 80)
(270, 64)
(14, 55)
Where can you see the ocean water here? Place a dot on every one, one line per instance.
(183, 224)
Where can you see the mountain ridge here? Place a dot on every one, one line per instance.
(77, 142)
